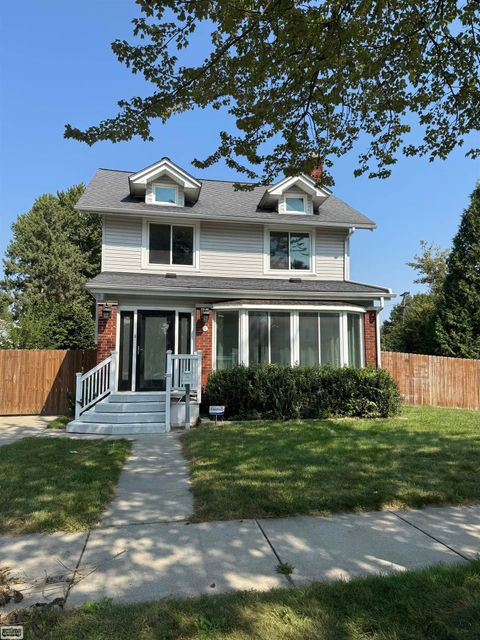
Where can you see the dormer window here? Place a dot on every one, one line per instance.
(295, 204)
(165, 195)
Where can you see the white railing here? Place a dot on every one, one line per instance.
(180, 369)
(95, 384)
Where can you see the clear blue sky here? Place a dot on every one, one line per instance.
(57, 66)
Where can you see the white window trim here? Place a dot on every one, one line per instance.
(282, 272)
(243, 332)
(167, 185)
(299, 196)
(146, 264)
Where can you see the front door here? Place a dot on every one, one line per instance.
(155, 336)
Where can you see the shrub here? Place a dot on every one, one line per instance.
(270, 391)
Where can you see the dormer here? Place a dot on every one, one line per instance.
(165, 184)
(296, 195)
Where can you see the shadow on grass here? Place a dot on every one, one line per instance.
(262, 469)
(440, 602)
(57, 484)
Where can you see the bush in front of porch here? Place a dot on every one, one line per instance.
(270, 391)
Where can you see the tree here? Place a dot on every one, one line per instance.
(305, 80)
(411, 326)
(458, 323)
(54, 250)
(431, 265)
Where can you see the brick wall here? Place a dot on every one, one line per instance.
(204, 343)
(370, 335)
(107, 333)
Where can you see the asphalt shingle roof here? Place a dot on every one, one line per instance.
(160, 282)
(109, 190)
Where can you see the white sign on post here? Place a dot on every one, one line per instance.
(187, 377)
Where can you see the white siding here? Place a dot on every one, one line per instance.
(330, 254)
(122, 244)
(231, 250)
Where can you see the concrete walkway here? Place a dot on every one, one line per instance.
(154, 485)
(145, 548)
(136, 562)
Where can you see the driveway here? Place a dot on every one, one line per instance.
(13, 428)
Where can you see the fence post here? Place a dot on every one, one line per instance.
(168, 389)
(113, 372)
(78, 394)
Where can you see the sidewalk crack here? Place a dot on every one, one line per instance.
(288, 577)
(77, 566)
(458, 553)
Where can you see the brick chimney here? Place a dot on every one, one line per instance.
(317, 171)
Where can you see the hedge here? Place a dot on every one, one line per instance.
(271, 391)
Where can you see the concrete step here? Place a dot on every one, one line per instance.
(115, 429)
(129, 396)
(123, 418)
(130, 407)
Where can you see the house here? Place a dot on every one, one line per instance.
(197, 275)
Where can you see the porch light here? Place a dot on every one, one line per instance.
(205, 314)
(106, 311)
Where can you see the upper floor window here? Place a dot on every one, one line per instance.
(165, 195)
(171, 244)
(295, 204)
(290, 250)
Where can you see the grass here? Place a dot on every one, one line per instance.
(439, 603)
(59, 423)
(57, 484)
(425, 456)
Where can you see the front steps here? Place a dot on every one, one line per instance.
(123, 414)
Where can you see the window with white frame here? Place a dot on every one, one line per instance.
(304, 338)
(295, 204)
(164, 194)
(269, 337)
(290, 251)
(171, 244)
(227, 339)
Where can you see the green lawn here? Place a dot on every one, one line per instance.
(425, 456)
(435, 604)
(59, 423)
(57, 484)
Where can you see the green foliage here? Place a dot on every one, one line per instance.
(278, 392)
(411, 326)
(303, 78)
(54, 250)
(458, 324)
(431, 265)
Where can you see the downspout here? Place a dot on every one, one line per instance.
(346, 261)
(379, 356)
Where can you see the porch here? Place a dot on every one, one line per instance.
(101, 408)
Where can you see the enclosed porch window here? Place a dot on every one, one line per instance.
(304, 338)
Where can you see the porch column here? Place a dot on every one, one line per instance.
(370, 338)
(204, 343)
(107, 330)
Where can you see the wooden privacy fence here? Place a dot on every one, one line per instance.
(435, 380)
(39, 381)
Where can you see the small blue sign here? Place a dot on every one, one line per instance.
(216, 410)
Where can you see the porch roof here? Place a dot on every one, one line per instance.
(148, 283)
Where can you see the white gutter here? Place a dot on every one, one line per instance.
(346, 261)
(379, 355)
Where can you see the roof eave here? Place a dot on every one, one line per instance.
(187, 292)
(305, 221)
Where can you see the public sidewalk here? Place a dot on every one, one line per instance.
(136, 562)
